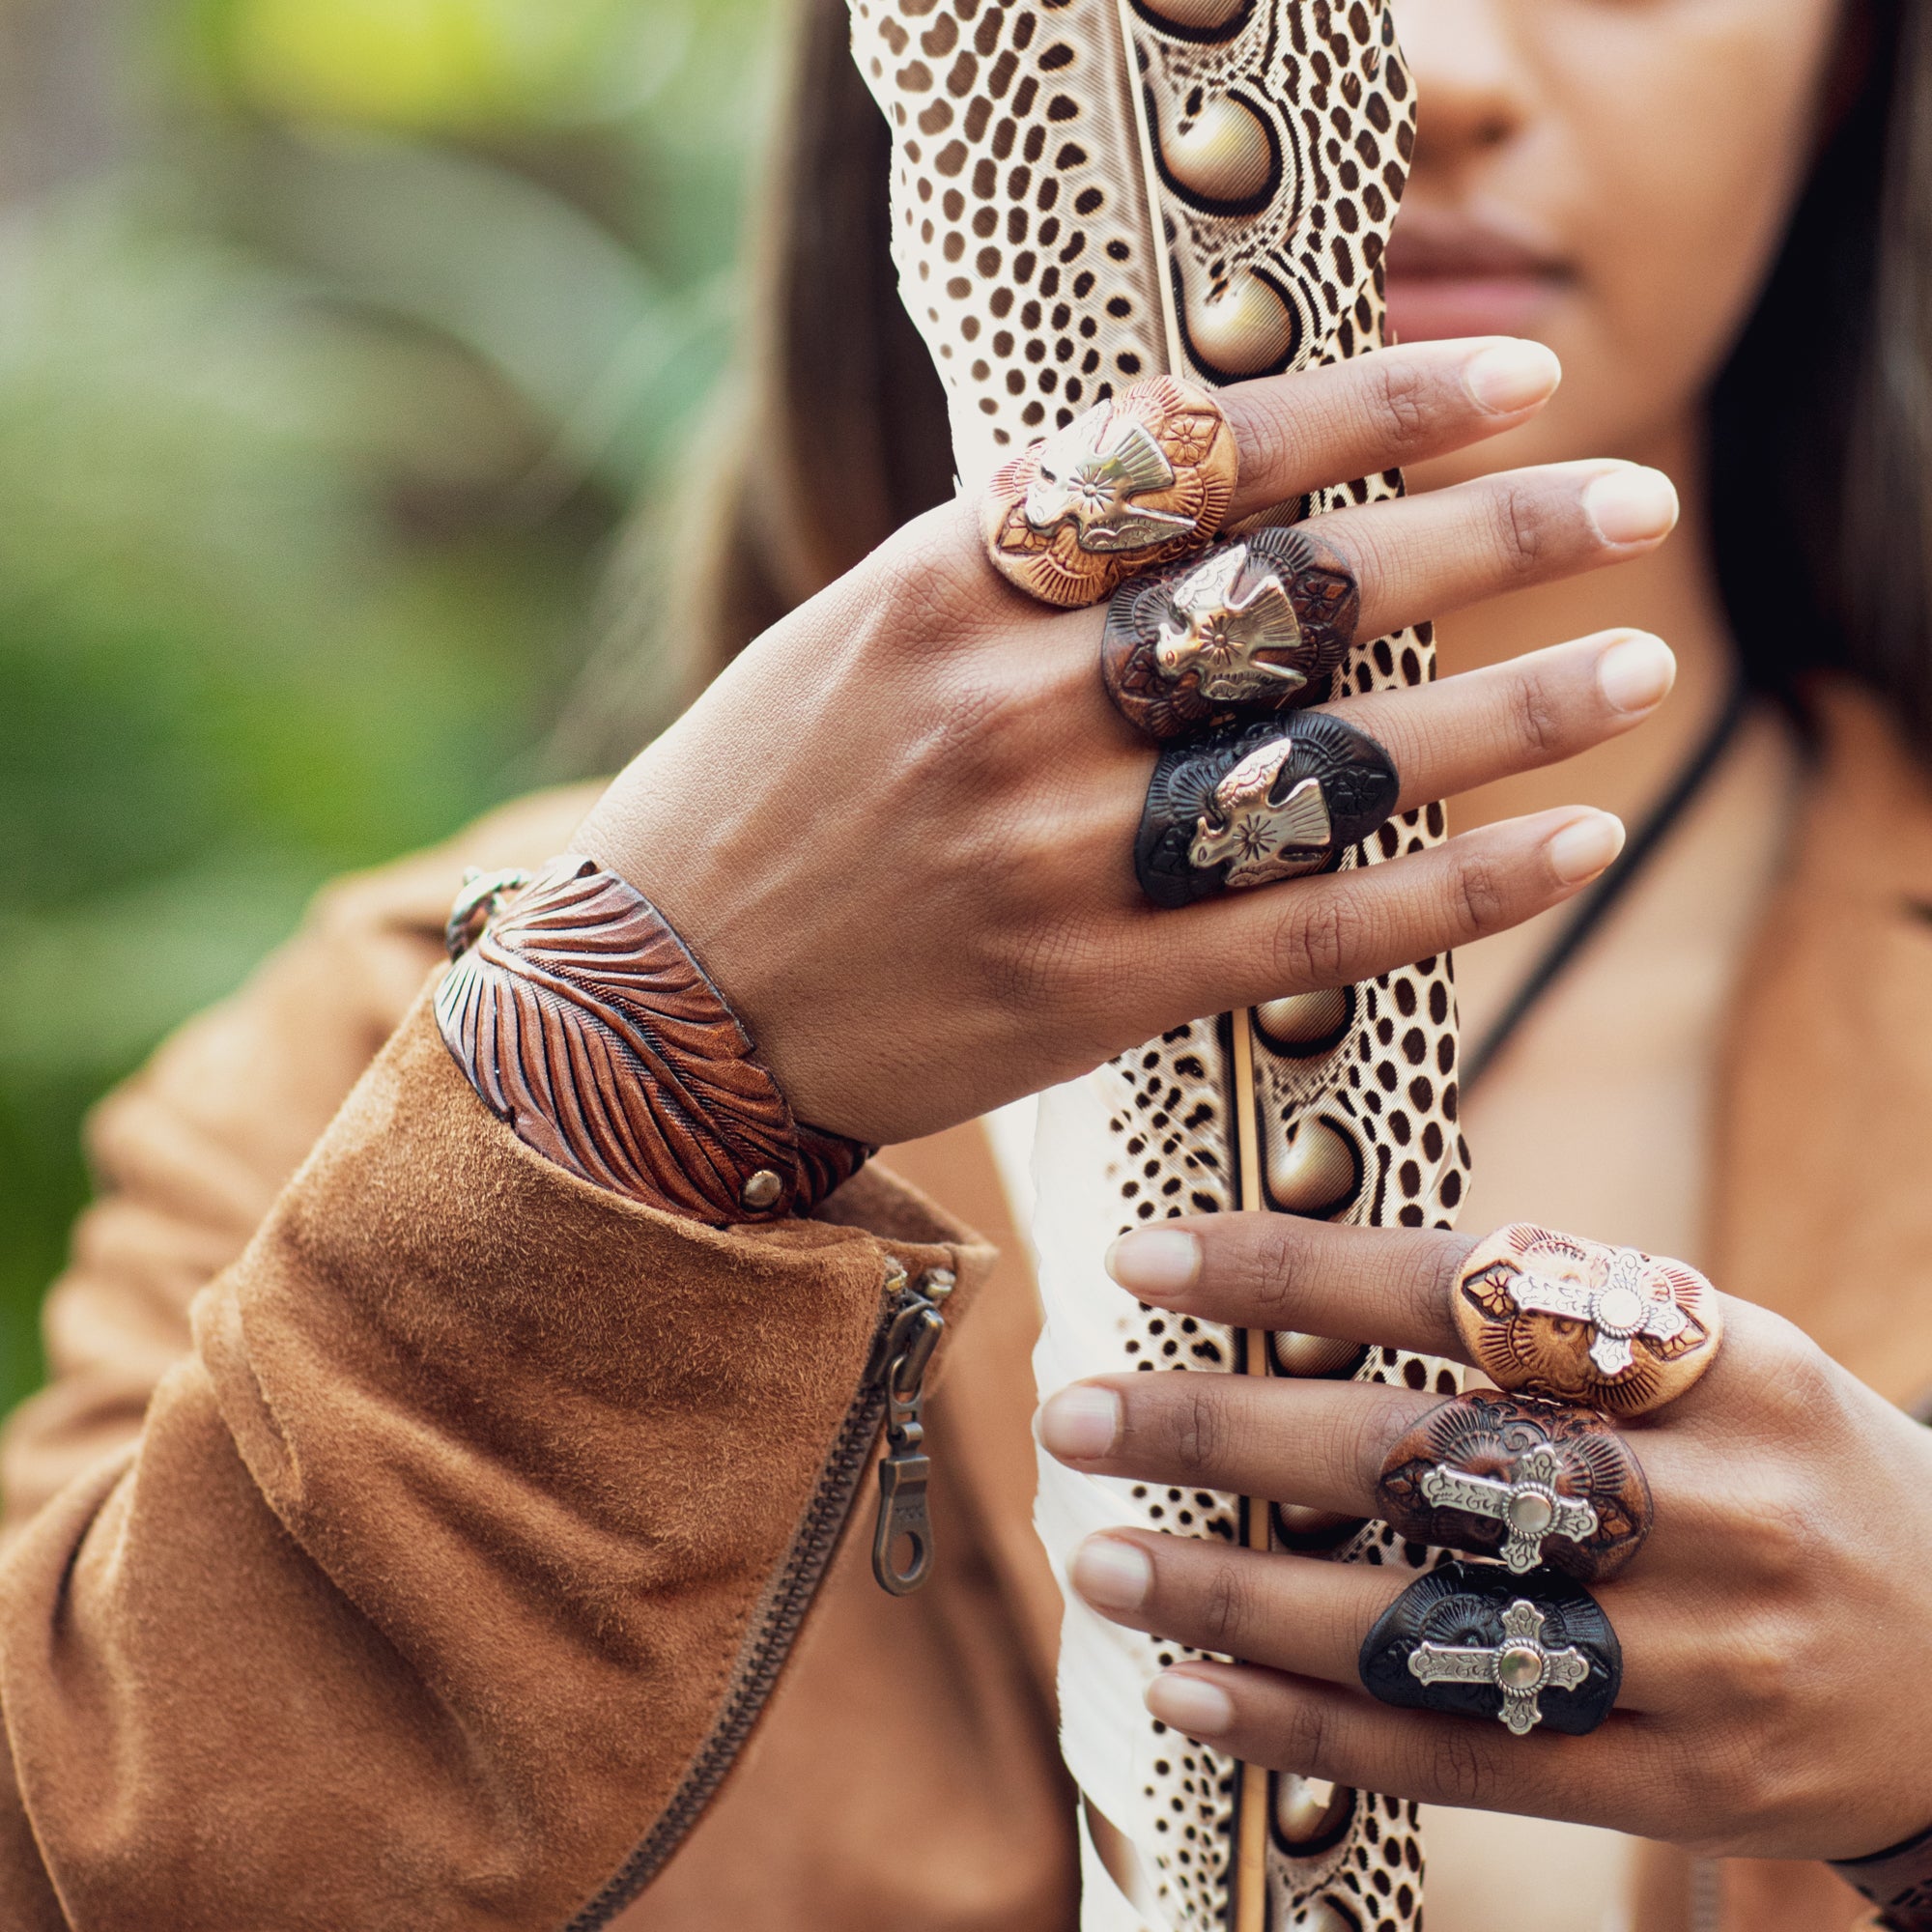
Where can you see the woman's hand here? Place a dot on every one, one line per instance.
(898, 832)
(1774, 1628)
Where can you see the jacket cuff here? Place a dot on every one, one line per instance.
(446, 1576)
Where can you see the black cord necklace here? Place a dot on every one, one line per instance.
(1602, 898)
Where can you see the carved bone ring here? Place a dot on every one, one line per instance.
(1573, 1320)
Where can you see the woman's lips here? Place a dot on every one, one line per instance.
(1449, 277)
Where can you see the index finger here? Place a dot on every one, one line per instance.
(1329, 425)
(1390, 1286)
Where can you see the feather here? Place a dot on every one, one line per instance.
(1086, 192)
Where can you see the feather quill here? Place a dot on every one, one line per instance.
(1084, 192)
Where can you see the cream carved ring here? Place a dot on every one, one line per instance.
(1138, 481)
(1571, 1321)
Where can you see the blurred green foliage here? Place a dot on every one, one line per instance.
(331, 367)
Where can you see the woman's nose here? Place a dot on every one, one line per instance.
(1471, 77)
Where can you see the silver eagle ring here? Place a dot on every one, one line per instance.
(1254, 625)
(1527, 1483)
(1277, 799)
(1468, 1640)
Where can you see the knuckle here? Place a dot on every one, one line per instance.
(1434, 1273)
(1281, 432)
(1045, 968)
(1308, 1739)
(1399, 396)
(1783, 1357)
(1319, 942)
(1752, 1783)
(1358, 1446)
(1713, 1790)
(1671, 1786)
(933, 570)
(1537, 720)
(1756, 1663)
(1787, 1382)
(1226, 1600)
(1199, 1433)
(1271, 1272)
(1459, 1767)
(1782, 1545)
(1519, 537)
(1481, 896)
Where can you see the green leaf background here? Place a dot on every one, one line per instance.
(341, 344)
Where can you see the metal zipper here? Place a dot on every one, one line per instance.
(902, 1529)
(892, 1393)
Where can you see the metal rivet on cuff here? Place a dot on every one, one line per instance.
(762, 1191)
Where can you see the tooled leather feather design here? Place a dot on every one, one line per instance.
(585, 1023)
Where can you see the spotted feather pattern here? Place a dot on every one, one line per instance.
(1084, 192)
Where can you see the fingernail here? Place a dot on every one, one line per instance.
(1191, 1705)
(1636, 673)
(1079, 1424)
(1512, 377)
(1631, 506)
(1155, 1263)
(1586, 847)
(1111, 1574)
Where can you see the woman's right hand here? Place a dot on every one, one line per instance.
(898, 831)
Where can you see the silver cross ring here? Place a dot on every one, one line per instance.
(1550, 1315)
(1521, 1666)
(1617, 1312)
(1527, 1503)
(1469, 1640)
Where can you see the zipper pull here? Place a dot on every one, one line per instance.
(902, 1536)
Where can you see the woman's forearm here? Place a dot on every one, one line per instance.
(442, 1563)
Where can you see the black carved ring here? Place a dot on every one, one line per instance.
(1260, 803)
(1472, 1641)
(1252, 627)
(1523, 1481)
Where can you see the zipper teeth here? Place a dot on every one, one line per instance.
(758, 1668)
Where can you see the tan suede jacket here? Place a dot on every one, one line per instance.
(409, 1530)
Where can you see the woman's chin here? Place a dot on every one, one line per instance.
(1439, 308)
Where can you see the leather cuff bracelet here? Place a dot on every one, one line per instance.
(584, 1022)
(1898, 1882)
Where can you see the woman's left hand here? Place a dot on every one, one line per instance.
(1776, 1627)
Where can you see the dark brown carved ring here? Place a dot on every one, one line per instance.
(1528, 1482)
(1250, 628)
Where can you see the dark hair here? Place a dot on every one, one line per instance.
(1821, 422)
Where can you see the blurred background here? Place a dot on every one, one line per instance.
(343, 344)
